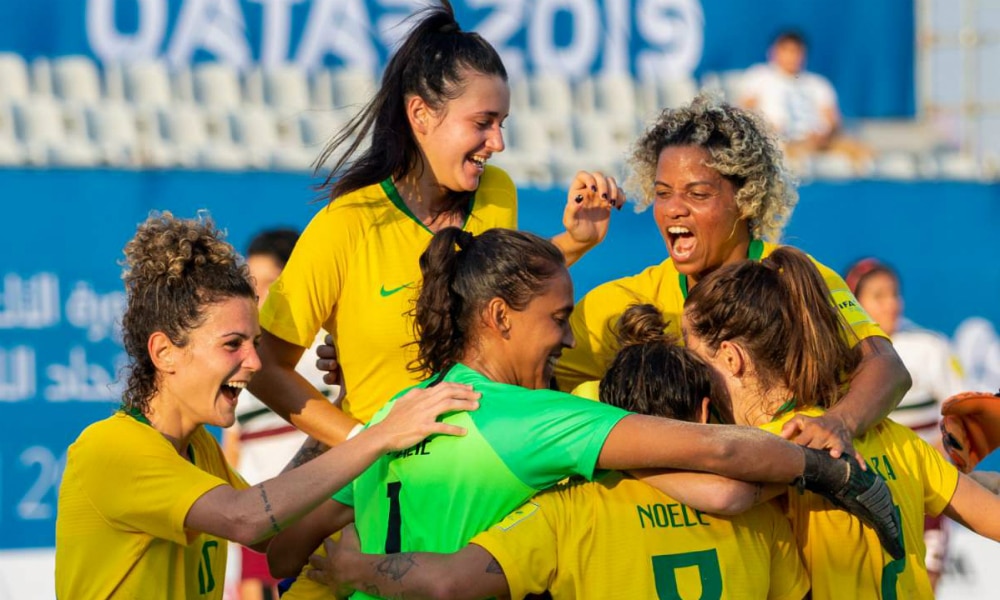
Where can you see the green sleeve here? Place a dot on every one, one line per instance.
(557, 435)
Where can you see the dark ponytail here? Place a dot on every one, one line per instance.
(461, 274)
(651, 374)
(781, 312)
(429, 63)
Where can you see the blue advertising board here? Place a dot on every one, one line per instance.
(61, 293)
(865, 48)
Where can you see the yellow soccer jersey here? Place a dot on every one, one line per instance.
(120, 527)
(844, 558)
(595, 316)
(355, 272)
(620, 538)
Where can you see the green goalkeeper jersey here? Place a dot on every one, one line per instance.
(437, 495)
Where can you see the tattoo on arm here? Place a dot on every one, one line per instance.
(396, 566)
(494, 567)
(310, 449)
(275, 527)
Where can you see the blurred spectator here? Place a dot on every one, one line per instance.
(932, 364)
(800, 106)
(261, 443)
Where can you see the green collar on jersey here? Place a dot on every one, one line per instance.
(786, 407)
(754, 251)
(136, 414)
(390, 190)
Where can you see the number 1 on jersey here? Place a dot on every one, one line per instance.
(393, 535)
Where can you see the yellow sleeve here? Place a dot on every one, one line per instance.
(940, 476)
(862, 324)
(593, 322)
(789, 580)
(141, 484)
(526, 543)
(305, 295)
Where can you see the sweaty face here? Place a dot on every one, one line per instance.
(466, 131)
(696, 213)
(879, 296)
(264, 270)
(539, 333)
(216, 364)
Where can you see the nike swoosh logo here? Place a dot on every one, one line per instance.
(386, 293)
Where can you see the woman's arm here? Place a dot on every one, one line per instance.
(251, 515)
(287, 393)
(710, 493)
(975, 507)
(639, 442)
(468, 574)
(877, 386)
(290, 550)
(750, 454)
(589, 201)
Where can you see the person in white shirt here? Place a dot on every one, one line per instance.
(800, 106)
(932, 364)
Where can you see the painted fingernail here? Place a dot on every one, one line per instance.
(612, 204)
(593, 188)
(604, 195)
(579, 199)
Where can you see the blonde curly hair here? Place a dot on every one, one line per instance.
(743, 150)
(173, 269)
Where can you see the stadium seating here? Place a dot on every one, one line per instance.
(69, 111)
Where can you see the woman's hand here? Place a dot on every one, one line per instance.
(589, 201)
(326, 361)
(414, 415)
(333, 569)
(825, 432)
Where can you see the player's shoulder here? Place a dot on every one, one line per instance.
(110, 437)
(640, 287)
(358, 203)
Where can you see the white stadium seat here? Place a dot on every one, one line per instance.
(352, 88)
(551, 94)
(115, 133)
(11, 152)
(56, 134)
(15, 83)
(960, 166)
(147, 83)
(286, 88)
(896, 165)
(217, 85)
(76, 79)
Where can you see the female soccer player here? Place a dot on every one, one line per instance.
(719, 191)
(147, 500)
(771, 332)
(613, 537)
(434, 124)
(493, 313)
(930, 360)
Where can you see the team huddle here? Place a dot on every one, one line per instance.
(711, 427)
